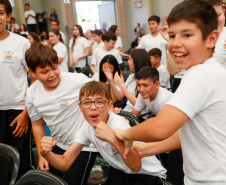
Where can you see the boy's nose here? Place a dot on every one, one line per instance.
(177, 42)
(93, 106)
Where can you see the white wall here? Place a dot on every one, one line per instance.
(163, 7)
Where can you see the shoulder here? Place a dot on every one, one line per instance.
(18, 39)
(117, 122)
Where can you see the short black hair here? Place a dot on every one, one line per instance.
(97, 32)
(109, 36)
(215, 2)
(154, 18)
(155, 52)
(134, 44)
(198, 12)
(8, 7)
(148, 72)
(40, 55)
(27, 4)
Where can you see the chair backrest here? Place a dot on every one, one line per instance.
(121, 103)
(40, 177)
(86, 71)
(126, 73)
(9, 164)
(133, 120)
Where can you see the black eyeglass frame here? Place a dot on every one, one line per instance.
(105, 101)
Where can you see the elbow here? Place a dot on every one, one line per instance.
(65, 168)
(137, 167)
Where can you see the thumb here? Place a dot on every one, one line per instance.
(126, 152)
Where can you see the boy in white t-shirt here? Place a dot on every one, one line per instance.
(30, 17)
(15, 129)
(164, 76)
(53, 100)
(109, 40)
(95, 102)
(194, 118)
(154, 39)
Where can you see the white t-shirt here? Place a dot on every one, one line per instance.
(59, 108)
(149, 42)
(157, 104)
(99, 54)
(164, 76)
(118, 42)
(30, 20)
(201, 96)
(63, 37)
(13, 75)
(61, 50)
(86, 135)
(79, 49)
(220, 50)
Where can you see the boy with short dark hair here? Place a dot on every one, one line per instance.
(95, 102)
(197, 108)
(53, 100)
(164, 76)
(109, 40)
(15, 129)
(151, 95)
(155, 39)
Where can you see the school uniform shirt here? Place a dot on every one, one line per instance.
(201, 96)
(79, 49)
(61, 50)
(59, 108)
(99, 54)
(13, 75)
(118, 42)
(164, 76)
(157, 104)
(150, 165)
(149, 42)
(220, 50)
(30, 20)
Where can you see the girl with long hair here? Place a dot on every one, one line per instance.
(57, 43)
(79, 48)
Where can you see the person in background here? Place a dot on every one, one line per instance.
(118, 44)
(53, 15)
(30, 17)
(138, 31)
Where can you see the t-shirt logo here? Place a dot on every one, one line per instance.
(224, 49)
(8, 57)
(64, 105)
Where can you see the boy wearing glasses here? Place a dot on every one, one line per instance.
(53, 99)
(95, 103)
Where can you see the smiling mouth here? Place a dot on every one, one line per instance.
(51, 81)
(180, 55)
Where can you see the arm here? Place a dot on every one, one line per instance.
(60, 59)
(155, 148)
(137, 113)
(105, 133)
(159, 128)
(70, 57)
(92, 67)
(22, 123)
(82, 56)
(120, 82)
(119, 49)
(60, 162)
(38, 129)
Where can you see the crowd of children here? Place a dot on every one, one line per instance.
(80, 111)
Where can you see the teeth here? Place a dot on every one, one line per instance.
(178, 54)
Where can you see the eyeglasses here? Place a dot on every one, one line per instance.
(98, 103)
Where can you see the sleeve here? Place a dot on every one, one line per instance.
(140, 45)
(194, 93)
(25, 48)
(62, 51)
(82, 135)
(94, 58)
(32, 111)
(164, 78)
(139, 106)
(85, 43)
(56, 17)
(25, 14)
(70, 43)
(119, 41)
(118, 57)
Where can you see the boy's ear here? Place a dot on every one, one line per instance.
(157, 83)
(110, 106)
(30, 71)
(212, 39)
(158, 59)
(80, 107)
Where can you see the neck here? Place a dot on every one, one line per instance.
(105, 48)
(3, 35)
(154, 96)
(157, 65)
(154, 34)
(99, 41)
